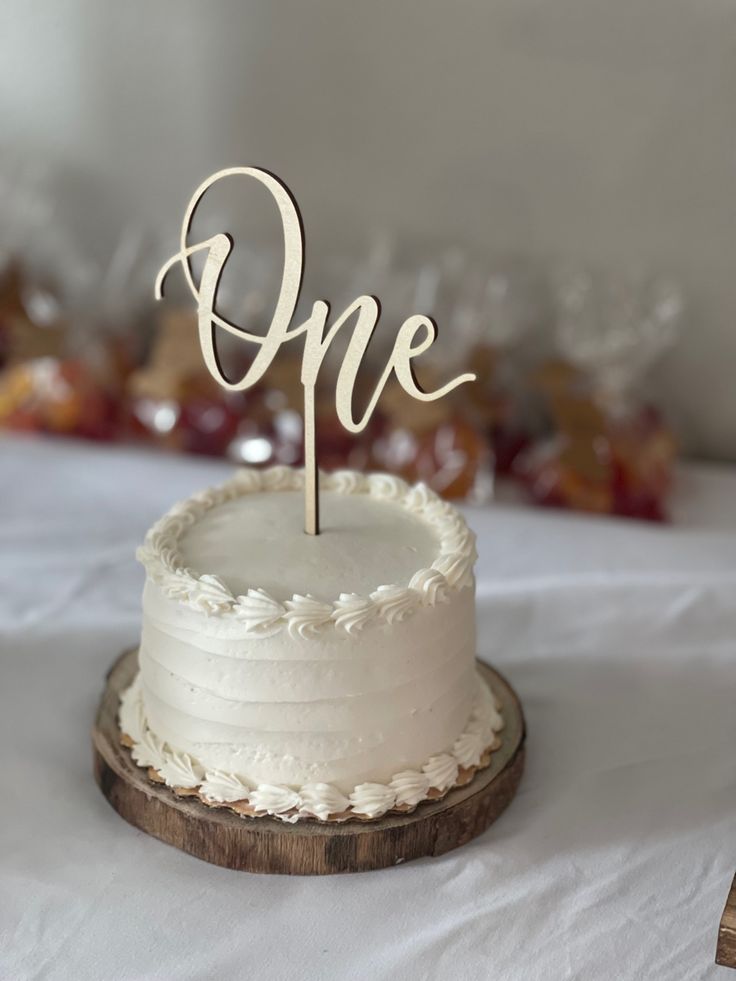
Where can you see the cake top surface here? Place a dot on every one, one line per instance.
(259, 540)
(239, 551)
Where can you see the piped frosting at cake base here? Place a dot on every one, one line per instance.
(406, 789)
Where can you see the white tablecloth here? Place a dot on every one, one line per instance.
(613, 863)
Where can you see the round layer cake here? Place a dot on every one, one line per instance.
(297, 676)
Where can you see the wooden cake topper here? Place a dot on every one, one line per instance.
(415, 336)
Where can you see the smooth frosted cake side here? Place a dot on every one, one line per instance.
(302, 677)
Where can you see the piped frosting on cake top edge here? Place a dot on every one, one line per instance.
(304, 616)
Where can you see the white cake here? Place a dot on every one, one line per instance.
(320, 677)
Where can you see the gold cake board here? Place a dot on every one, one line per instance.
(265, 844)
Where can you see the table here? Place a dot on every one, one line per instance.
(613, 863)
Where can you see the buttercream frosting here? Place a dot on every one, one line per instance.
(410, 787)
(281, 802)
(320, 800)
(372, 799)
(441, 771)
(323, 801)
(223, 787)
(305, 677)
(188, 535)
(180, 770)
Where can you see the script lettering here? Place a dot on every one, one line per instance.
(415, 336)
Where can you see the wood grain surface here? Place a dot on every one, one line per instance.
(726, 949)
(267, 845)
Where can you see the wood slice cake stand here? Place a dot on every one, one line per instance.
(308, 847)
(726, 950)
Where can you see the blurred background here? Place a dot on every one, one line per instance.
(553, 182)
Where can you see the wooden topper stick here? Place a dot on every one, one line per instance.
(409, 342)
(311, 478)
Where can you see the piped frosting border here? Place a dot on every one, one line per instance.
(305, 616)
(470, 752)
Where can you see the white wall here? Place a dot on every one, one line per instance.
(561, 128)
